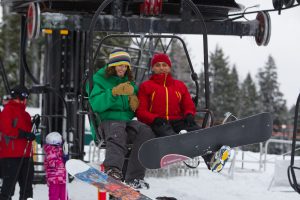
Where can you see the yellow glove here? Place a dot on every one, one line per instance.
(123, 89)
(133, 102)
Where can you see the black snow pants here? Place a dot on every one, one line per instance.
(11, 175)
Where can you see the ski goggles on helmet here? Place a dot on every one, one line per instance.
(24, 95)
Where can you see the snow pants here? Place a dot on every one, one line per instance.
(118, 134)
(17, 170)
(57, 192)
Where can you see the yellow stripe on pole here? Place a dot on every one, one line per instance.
(47, 31)
(64, 32)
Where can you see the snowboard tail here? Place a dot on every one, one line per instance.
(92, 176)
(160, 152)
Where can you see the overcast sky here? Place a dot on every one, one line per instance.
(284, 46)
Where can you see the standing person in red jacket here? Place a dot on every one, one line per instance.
(5, 99)
(167, 107)
(15, 146)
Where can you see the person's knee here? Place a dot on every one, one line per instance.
(147, 132)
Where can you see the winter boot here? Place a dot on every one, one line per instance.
(219, 159)
(138, 184)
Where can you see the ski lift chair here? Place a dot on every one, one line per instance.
(291, 169)
(94, 119)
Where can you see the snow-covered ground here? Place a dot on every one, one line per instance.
(250, 183)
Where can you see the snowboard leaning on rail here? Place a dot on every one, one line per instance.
(90, 175)
(163, 151)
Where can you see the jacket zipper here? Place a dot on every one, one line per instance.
(167, 98)
(152, 99)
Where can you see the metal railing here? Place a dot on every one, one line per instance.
(275, 141)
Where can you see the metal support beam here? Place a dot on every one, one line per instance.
(108, 23)
(21, 64)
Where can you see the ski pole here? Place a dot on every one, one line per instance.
(27, 172)
(29, 162)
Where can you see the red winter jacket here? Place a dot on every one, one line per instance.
(164, 97)
(12, 118)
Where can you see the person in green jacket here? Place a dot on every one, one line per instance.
(113, 98)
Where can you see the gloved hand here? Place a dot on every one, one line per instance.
(190, 120)
(36, 120)
(162, 128)
(26, 135)
(65, 158)
(133, 102)
(123, 89)
(159, 121)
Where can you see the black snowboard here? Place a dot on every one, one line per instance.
(160, 152)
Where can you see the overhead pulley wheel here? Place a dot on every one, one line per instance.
(277, 4)
(33, 20)
(263, 33)
(288, 3)
(151, 7)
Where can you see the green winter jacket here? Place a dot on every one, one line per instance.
(107, 106)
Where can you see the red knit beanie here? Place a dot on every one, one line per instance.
(161, 57)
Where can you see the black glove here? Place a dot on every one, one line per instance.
(36, 120)
(189, 120)
(162, 128)
(26, 135)
(159, 121)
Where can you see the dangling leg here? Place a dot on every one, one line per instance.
(138, 134)
(116, 140)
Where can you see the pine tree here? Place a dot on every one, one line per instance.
(180, 66)
(233, 92)
(249, 99)
(10, 34)
(224, 85)
(270, 95)
(10, 46)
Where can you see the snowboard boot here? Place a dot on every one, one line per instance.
(219, 159)
(114, 173)
(138, 184)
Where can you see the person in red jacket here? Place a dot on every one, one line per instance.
(15, 146)
(5, 99)
(167, 107)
